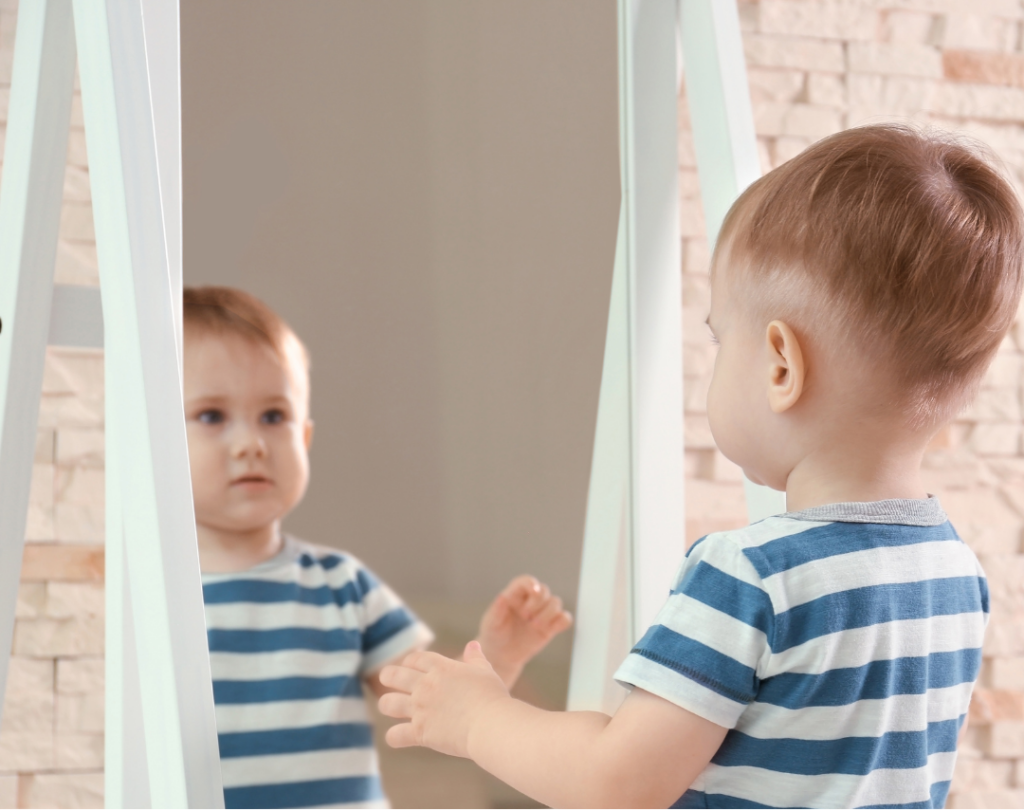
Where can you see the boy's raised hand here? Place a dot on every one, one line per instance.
(523, 618)
(440, 698)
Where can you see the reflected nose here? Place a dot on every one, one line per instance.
(246, 440)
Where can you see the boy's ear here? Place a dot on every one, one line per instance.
(307, 433)
(787, 371)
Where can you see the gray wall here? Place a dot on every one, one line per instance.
(428, 192)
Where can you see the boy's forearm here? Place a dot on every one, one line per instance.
(554, 757)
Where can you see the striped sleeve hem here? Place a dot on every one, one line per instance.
(679, 689)
(416, 636)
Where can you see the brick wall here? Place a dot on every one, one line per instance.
(51, 738)
(819, 66)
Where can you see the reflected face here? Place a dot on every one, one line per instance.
(246, 413)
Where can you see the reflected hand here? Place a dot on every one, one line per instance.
(441, 699)
(520, 622)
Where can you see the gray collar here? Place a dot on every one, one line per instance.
(918, 512)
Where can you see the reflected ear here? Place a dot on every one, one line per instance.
(787, 371)
(307, 433)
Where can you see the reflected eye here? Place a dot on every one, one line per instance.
(714, 339)
(274, 416)
(211, 416)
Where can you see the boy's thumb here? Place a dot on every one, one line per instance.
(474, 654)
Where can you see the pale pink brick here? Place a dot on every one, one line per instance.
(76, 264)
(1004, 371)
(981, 775)
(26, 751)
(40, 525)
(76, 184)
(82, 790)
(79, 505)
(826, 19)
(66, 600)
(993, 404)
(73, 371)
(76, 146)
(788, 147)
(1004, 636)
(75, 676)
(794, 52)
(770, 117)
(895, 60)
(1007, 673)
(696, 256)
(977, 101)
(912, 27)
(31, 600)
(979, 32)
(691, 218)
(79, 636)
(996, 798)
(996, 438)
(76, 221)
(984, 520)
(8, 791)
(689, 185)
(811, 121)
(826, 89)
(774, 84)
(1006, 739)
(80, 713)
(28, 702)
(80, 448)
(78, 751)
(45, 441)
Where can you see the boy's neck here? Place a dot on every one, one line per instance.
(861, 470)
(222, 551)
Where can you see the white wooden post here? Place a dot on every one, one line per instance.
(634, 534)
(634, 531)
(146, 431)
(42, 84)
(724, 140)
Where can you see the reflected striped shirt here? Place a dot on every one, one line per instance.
(290, 641)
(839, 646)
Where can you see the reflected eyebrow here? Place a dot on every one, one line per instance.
(707, 322)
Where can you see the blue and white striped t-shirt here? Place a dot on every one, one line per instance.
(838, 645)
(290, 641)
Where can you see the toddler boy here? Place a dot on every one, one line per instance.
(295, 630)
(824, 657)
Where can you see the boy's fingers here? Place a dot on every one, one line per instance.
(536, 602)
(400, 678)
(400, 736)
(396, 705)
(424, 660)
(561, 622)
(519, 590)
(547, 613)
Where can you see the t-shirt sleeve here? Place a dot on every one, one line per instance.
(711, 638)
(389, 627)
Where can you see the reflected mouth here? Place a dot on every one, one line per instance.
(252, 480)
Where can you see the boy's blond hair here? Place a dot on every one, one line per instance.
(907, 243)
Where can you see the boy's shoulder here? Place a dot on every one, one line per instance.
(781, 543)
